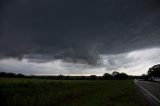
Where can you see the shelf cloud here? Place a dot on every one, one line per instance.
(78, 31)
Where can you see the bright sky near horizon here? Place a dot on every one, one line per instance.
(132, 63)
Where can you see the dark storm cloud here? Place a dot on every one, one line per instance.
(77, 30)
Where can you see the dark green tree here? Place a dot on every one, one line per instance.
(107, 76)
(154, 71)
(120, 76)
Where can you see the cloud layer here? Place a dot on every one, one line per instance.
(79, 37)
(77, 31)
(133, 63)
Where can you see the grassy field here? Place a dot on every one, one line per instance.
(37, 92)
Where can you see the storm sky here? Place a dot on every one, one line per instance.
(79, 37)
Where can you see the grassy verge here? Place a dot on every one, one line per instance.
(36, 92)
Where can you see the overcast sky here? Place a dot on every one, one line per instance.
(79, 37)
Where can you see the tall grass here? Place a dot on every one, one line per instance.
(36, 92)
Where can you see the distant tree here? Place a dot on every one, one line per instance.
(67, 78)
(5, 74)
(60, 77)
(119, 76)
(107, 76)
(145, 77)
(81, 77)
(114, 73)
(92, 77)
(19, 75)
(122, 76)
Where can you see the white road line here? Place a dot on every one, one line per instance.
(155, 98)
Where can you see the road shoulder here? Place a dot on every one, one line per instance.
(150, 98)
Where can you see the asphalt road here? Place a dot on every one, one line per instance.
(151, 91)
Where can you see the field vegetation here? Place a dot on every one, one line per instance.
(43, 92)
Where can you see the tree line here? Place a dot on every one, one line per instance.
(152, 72)
(106, 76)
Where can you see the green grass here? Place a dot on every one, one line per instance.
(36, 92)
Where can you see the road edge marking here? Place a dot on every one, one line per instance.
(155, 98)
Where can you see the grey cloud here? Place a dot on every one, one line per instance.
(49, 68)
(134, 63)
(77, 31)
(137, 61)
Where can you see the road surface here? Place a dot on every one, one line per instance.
(151, 91)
